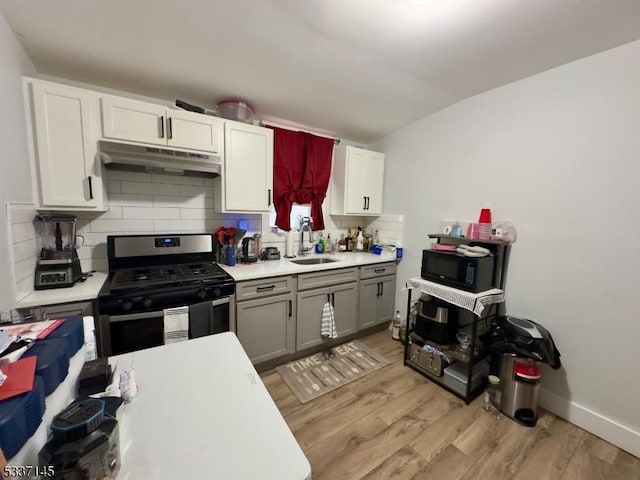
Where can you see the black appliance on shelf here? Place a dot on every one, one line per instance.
(150, 273)
(436, 320)
(472, 274)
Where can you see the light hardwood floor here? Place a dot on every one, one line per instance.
(395, 424)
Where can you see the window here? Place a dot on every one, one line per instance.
(297, 212)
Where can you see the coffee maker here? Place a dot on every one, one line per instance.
(58, 265)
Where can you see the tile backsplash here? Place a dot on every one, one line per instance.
(24, 246)
(143, 203)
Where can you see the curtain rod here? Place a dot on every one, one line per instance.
(336, 141)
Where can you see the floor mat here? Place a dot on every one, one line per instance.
(317, 374)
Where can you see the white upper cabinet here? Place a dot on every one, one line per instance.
(142, 122)
(62, 121)
(246, 184)
(356, 181)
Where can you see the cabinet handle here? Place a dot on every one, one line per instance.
(378, 289)
(290, 308)
(265, 288)
(381, 288)
(269, 197)
(169, 128)
(364, 199)
(368, 202)
(161, 127)
(333, 299)
(90, 188)
(328, 298)
(379, 270)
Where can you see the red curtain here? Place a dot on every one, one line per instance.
(301, 170)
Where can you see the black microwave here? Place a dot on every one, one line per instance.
(473, 274)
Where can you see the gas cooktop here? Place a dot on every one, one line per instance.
(178, 274)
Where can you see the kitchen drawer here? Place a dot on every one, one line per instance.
(378, 270)
(327, 278)
(264, 287)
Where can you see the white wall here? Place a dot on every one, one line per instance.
(14, 156)
(558, 154)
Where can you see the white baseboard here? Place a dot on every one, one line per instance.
(621, 436)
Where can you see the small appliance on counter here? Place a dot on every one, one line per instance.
(85, 440)
(250, 249)
(58, 264)
(270, 253)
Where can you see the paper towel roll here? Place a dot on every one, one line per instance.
(289, 249)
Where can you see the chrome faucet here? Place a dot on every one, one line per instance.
(305, 224)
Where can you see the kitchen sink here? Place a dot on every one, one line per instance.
(314, 261)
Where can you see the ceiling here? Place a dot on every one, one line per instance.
(358, 69)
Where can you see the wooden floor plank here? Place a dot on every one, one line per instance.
(513, 442)
(625, 467)
(444, 430)
(402, 465)
(404, 403)
(365, 453)
(450, 464)
(549, 458)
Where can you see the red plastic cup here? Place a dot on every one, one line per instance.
(485, 216)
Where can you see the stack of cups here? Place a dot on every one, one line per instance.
(484, 224)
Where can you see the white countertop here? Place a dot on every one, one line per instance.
(202, 411)
(284, 266)
(87, 290)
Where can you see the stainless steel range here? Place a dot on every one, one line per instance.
(151, 273)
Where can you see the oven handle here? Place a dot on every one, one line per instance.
(220, 301)
(143, 315)
(134, 316)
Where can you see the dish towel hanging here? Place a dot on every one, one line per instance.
(176, 325)
(328, 325)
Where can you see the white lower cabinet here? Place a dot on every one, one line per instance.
(265, 318)
(63, 125)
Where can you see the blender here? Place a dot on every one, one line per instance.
(58, 264)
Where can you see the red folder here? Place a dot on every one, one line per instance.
(20, 376)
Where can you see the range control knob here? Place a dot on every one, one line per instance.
(146, 302)
(217, 293)
(202, 294)
(126, 305)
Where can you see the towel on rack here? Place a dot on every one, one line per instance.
(328, 324)
(176, 325)
(91, 352)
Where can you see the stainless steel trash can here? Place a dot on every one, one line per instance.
(520, 380)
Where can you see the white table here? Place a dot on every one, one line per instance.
(202, 411)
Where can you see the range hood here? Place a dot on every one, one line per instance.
(136, 157)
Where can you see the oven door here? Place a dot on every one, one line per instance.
(136, 331)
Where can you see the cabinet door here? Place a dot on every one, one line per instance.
(248, 167)
(369, 293)
(309, 316)
(266, 327)
(194, 130)
(356, 169)
(345, 307)
(385, 306)
(66, 146)
(126, 119)
(372, 182)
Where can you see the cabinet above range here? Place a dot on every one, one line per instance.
(135, 121)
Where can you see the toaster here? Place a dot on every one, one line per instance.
(271, 253)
